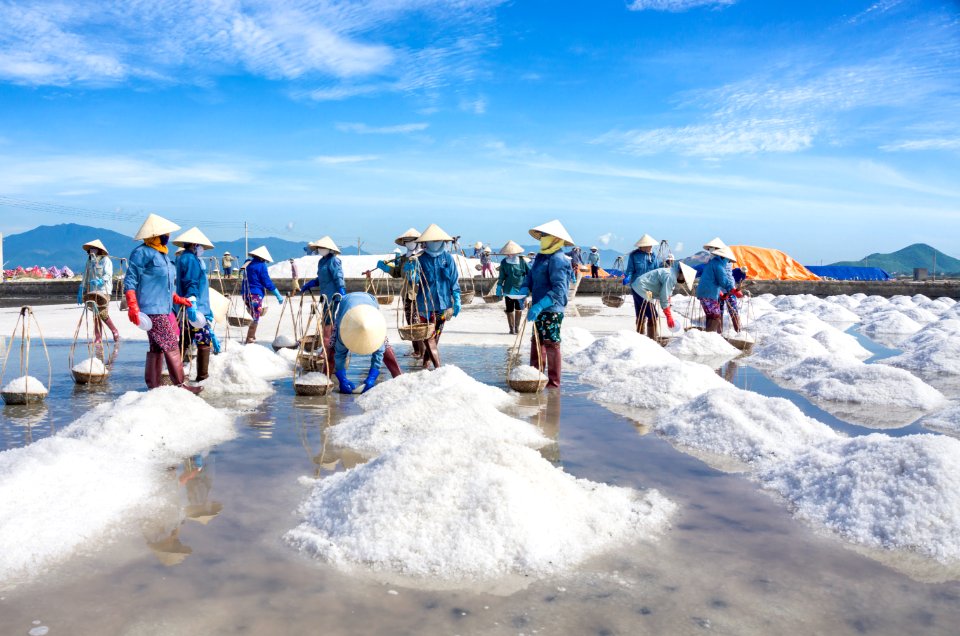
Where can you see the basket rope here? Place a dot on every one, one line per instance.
(516, 352)
(23, 322)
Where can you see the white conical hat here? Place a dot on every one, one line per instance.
(552, 228)
(204, 513)
(219, 305)
(155, 225)
(262, 252)
(511, 249)
(195, 236)
(97, 244)
(477, 245)
(434, 233)
(689, 275)
(727, 253)
(179, 251)
(713, 245)
(363, 329)
(412, 234)
(327, 243)
(646, 241)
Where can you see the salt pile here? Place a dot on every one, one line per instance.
(873, 384)
(628, 346)
(654, 386)
(314, 378)
(780, 350)
(526, 373)
(933, 351)
(447, 380)
(701, 344)
(575, 340)
(245, 369)
(741, 425)
(465, 512)
(283, 341)
(25, 384)
(892, 493)
(75, 490)
(91, 366)
(889, 321)
(840, 343)
(946, 421)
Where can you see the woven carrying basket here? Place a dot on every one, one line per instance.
(16, 397)
(239, 321)
(742, 345)
(88, 378)
(492, 299)
(612, 301)
(385, 299)
(528, 386)
(467, 297)
(311, 389)
(417, 332)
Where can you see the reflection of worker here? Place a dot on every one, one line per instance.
(162, 529)
(656, 285)
(360, 329)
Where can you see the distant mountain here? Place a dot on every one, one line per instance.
(59, 245)
(607, 257)
(903, 261)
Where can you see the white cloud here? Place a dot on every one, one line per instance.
(476, 106)
(950, 143)
(606, 238)
(718, 139)
(676, 5)
(338, 159)
(399, 129)
(678, 248)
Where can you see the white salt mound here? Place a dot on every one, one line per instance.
(314, 378)
(245, 369)
(575, 340)
(656, 386)
(838, 342)
(879, 491)
(780, 350)
(741, 425)
(889, 321)
(76, 489)
(284, 340)
(93, 366)
(874, 384)
(25, 384)
(448, 380)
(623, 345)
(701, 344)
(442, 509)
(932, 351)
(526, 373)
(946, 421)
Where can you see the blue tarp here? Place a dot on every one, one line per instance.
(836, 272)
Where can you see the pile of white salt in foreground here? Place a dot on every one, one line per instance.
(25, 384)
(886, 492)
(525, 373)
(461, 496)
(442, 509)
(75, 490)
(93, 366)
(245, 370)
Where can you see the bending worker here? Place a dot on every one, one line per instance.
(715, 281)
(360, 329)
(513, 270)
(659, 285)
(395, 268)
(192, 284)
(150, 288)
(96, 286)
(332, 287)
(640, 261)
(257, 281)
(548, 284)
(438, 287)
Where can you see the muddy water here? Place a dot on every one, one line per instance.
(734, 562)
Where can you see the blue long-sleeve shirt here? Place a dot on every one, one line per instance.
(329, 276)
(99, 268)
(639, 263)
(440, 278)
(659, 282)
(715, 279)
(257, 279)
(192, 281)
(550, 277)
(351, 300)
(150, 273)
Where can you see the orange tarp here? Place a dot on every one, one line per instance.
(767, 264)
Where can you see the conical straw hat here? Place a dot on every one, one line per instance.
(646, 241)
(713, 245)
(363, 329)
(434, 233)
(553, 228)
(155, 225)
(97, 244)
(204, 513)
(511, 249)
(195, 236)
(689, 276)
(412, 234)
(727, 253)
(170, 552)
(262, 252)
(179, 251)
(477, 245)
(327, 243)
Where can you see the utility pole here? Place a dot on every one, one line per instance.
(246, 240)
(358, 246)
(934, 265)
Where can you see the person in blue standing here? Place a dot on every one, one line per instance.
(360, 329)
(640, 261)
(331, 285)
(594, 259)
(548, 285)
(716, 280)
(150, 289)
(437, 282)
(96, 286)
(192, 284)
(256, 282)
(513, 271)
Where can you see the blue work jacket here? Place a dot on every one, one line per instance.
(257, 279)
(639, 263)
(192, 281)
(550, 276)
(659, 282)
(150, 273)
(99, 268)
(715, 279)
(442, 280)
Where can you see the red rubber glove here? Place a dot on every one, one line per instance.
(669, 315)
(133, 309)
(180, 300)
(737, 293)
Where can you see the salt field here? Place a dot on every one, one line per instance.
(799, 487)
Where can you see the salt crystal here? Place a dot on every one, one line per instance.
(25, 384)
(92, 366)
(526, 373)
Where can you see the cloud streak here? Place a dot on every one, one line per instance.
(676, 6)
(399, 129)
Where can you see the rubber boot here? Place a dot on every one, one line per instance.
(203, 362)
(538, 355)
(113, 329)
(251, 333)
(175, 367)
(713, 325)
(735, 321)
(390, 361)
(554, 363)
(152, 369)
(331, 353)
(511, 323)
(97, 331)
(517, 321)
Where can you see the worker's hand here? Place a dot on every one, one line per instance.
(456, 304)
(97, 282)
(276, 294)
(192, 315)
(215, 342)
(499, 291)
(626, 280)
(180, 300)
(371, 380)
(133, 309)
(737, 292)
(537, 308)
(448, 313)
(649, 295)
(670, 322)
(80, 295)
(524, 291)
(346, 386)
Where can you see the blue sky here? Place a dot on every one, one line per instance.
(828, 129)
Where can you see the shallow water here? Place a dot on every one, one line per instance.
(734, 562)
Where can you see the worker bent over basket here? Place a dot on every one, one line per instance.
(548, 284)
(658, 285)
(360, 329)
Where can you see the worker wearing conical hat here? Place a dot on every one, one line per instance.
(96, 286)
(548, 284)
(150, 287)
(437, 282)
(192, 283)
(640, 261)
(227, 262)
(395, 268)
(656, 287)
(256, 282)
(594, 259)
(361, 330)
(716, 280)
(513, 270)
(332, 287)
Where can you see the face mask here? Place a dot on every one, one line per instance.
(410, 245)
(513, 260)
(323, 252)
(164, 239)
(92, 253)
(198, 251)
(550, 244)
(434, 247)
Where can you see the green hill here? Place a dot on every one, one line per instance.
(903, 261)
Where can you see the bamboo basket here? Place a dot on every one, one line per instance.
(525, 386)
(293, 321)
(23, 324)
(94, 350)
(416, 331)
(382, 299)
(492, 299)
(311, 390)
(312, 358)
(466, 297)
(88, 378)
(609, 297)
